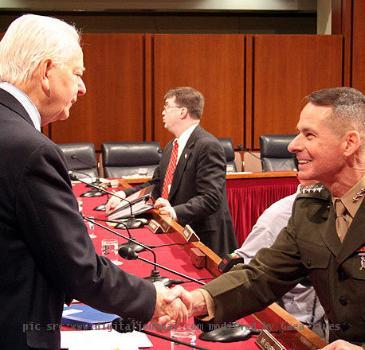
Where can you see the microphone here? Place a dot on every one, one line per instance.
(245, 149)
(100, 190)
(93, 193)
(75, 157)
(131, 223)
(135, 256)
(125, 325)
(131, 245)
(129, 254)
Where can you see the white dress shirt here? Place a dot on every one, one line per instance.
(25, 102)
(300, 300)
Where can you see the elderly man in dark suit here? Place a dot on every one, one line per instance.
(324, 239)
(47, 257)
(191, 183)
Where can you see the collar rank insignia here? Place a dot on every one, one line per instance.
(316, 188)
(361, 253)
(358, 195)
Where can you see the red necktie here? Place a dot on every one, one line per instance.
(170, 171)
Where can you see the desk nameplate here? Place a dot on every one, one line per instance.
(266, 341)
(190, 235)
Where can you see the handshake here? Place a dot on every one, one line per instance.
(174, 306)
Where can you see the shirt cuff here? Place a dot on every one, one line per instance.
(210, 309)
(173, 214)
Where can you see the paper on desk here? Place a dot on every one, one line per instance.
(103, 339)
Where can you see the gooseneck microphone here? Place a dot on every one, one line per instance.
(245, 149)
(131, 223)
(130, 255)
(123, 325)
(99, 189)
(130, 245)
(88, 165)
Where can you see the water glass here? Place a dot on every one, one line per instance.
(91, 227)
(185, 334)
(109, 249)
(80, 204)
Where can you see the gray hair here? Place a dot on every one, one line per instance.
(31, 39)
(348, 108)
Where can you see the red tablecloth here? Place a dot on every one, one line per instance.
(175, 257)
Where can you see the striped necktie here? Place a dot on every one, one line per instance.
(170, 171)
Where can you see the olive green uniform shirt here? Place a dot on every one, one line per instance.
(308, 246)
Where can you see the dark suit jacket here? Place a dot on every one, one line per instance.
(308, 246)
(46, 253)
(198, 190)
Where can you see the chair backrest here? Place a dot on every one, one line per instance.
(229, 152)
(130, 158)
(80, 158)
(274, 153)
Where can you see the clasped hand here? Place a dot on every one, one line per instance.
(173, 306)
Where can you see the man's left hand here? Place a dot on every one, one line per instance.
(165, 207)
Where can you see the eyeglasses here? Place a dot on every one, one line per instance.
(169, 108)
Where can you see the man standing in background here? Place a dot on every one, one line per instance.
(191, 177)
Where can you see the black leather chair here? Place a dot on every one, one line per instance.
(274, 153)
(80, 158)
(229, 152)
(130, 158)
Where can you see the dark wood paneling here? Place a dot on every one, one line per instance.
(213, 64)
(358, 61)
(113, 107)
(342, 24)
(148, 57)
(336, 17)
(287, 68)
(248, 97)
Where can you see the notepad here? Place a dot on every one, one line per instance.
(84, 317)
(135, 204)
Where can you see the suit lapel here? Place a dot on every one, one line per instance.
(355, 237)
(10, 102)
(184, 158)
(166, 159)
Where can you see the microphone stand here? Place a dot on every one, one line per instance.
(129, 224)
(98, 193)
(131, 245)
(100, 189)
(75, 157)
(136, 247)
(129, 255)
(154, 263)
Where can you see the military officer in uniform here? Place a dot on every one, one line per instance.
(325, 237)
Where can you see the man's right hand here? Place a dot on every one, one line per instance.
(114, 201)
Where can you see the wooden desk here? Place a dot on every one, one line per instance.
(290, 332)
(249, 194)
